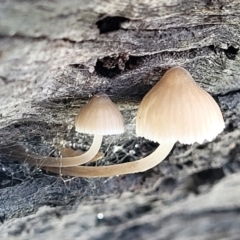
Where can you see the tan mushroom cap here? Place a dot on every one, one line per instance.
(100, 116)
(177, 109)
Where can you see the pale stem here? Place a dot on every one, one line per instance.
(119, 169)
(18, 153)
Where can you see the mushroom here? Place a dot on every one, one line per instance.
(175, 109)
(100, 116)
(69, 152)
(17, 152)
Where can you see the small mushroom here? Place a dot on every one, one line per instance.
(69, 152)
(100, 116)
(175, 109)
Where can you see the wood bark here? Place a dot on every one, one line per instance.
(54, 55)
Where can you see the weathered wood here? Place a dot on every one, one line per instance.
(55, 54)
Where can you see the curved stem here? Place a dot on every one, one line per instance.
(119, 169)
(19, 154)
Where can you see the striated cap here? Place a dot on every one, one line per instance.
(177, 109)
(100, 116)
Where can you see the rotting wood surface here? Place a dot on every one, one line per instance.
(54, 55)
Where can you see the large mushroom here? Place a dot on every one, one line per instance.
(175, 109)
(100, 116)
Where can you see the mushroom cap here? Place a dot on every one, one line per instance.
(177, 109)
(99, 116)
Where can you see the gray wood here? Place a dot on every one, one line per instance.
(54, 55)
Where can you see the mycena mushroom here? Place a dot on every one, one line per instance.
(175, 109)
(100, 116)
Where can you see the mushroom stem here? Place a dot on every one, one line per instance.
(119, 169)
(19, 154)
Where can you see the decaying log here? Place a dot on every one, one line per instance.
(54, 55)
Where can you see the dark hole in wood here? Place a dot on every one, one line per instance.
(208, 176)
(111, 66)
(110, 24)
(231, 52)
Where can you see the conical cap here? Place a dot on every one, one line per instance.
(100, 116)
(177, 109)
